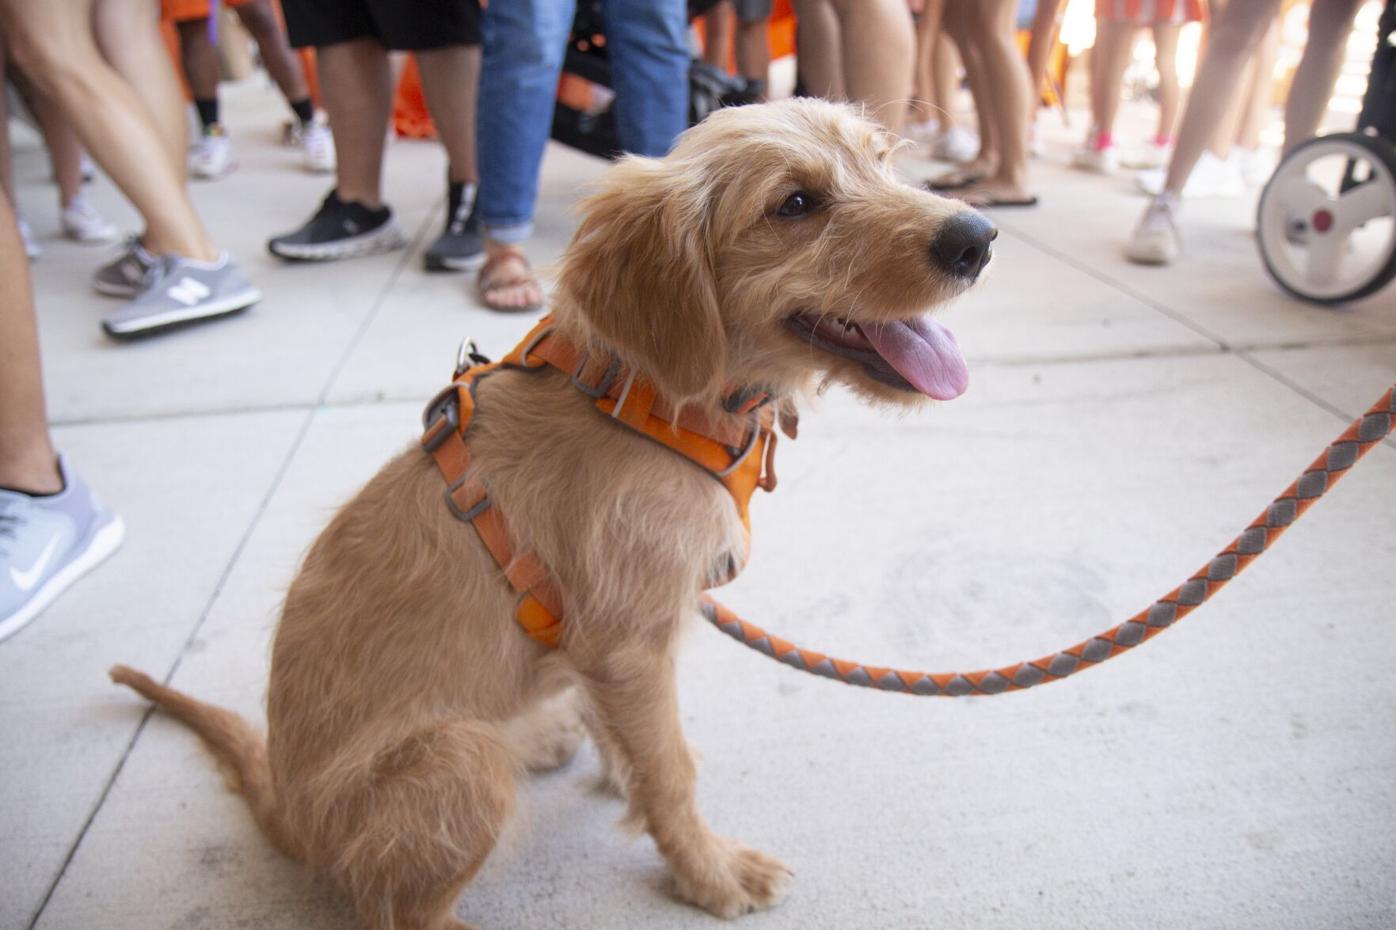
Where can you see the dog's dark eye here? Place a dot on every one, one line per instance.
(796, 205)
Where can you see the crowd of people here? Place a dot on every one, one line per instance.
(109, 91)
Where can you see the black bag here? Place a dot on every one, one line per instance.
(594, 132)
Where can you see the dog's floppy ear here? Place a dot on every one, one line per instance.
(640, 271)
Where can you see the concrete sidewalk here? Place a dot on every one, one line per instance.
(1123, 423)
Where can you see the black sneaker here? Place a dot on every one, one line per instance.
(340, 230)
(460, 247)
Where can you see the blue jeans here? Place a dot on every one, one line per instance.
(523, 49)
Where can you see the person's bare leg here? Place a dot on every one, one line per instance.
(877, 49)
(1170, 96)
(1330, 23)
(992, 22)
(281, 63)
(1254, 111)
(1116, 40)
(27, 460)
(356, 83)
(128, 34)
(7, 169)
(717, 34)
(922, 109)
(64, 146)
(450, 80)
(1041, 38)
(199, 59)
(945, 79)
(60, 55)
(1234, 35)
(753, 50)
(818, 49)
(957, 27)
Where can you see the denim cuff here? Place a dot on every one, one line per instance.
(508, 233)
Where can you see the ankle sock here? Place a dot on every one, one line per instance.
(304, 110)
(1103, 141)
(208, 111)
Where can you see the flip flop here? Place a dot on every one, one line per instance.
(492, 280)
(952, 181)
(986, 200)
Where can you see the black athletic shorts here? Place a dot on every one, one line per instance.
(405, 25)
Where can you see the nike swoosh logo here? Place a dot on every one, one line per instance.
(27, 579)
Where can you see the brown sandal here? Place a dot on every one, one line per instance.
(495, 277)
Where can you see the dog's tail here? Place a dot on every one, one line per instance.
(239, 748)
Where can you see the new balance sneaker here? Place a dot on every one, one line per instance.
(340, 229)
(82, 223)
(181, 290)
(459, 247)
(47, 543)
(1155, 240)
(32, 249)
(124, 276)
(317, 146)
(212, 156)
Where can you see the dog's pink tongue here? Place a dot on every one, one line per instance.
(924, 353)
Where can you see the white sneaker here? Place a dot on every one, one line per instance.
(955, 144)
(923, 132)
(1149, 157)
(1155, 241)
(1097, 161)
(213, 154)
(32, 249)
(317, 144)
(1211, 177)
(47, 543)
(82, 223)
(1253, 166)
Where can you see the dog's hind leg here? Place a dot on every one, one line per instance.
(545, 736)
(422, 823)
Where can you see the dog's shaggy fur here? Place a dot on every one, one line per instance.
(404, 700)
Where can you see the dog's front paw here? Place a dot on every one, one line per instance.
(733, 880)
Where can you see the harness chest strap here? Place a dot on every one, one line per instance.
(739, 453)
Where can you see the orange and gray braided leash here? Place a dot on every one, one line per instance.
(1365, 432)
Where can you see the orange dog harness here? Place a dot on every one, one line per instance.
(739, 453)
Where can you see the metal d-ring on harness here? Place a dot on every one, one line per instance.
(1341, 455)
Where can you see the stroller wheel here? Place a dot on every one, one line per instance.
(1326, 225)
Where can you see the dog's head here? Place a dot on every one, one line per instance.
(773, 247)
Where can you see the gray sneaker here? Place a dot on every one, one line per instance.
(47, 543)
(181, 290)
(124, 276)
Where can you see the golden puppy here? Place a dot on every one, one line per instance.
(774, 248)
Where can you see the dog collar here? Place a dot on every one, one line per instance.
(738, 451)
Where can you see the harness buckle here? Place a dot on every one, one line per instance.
(444, 406)
(465, 516)
(524, 350)
(612, 370)
(469, 352)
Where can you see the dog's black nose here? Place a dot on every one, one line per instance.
(961, 248)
